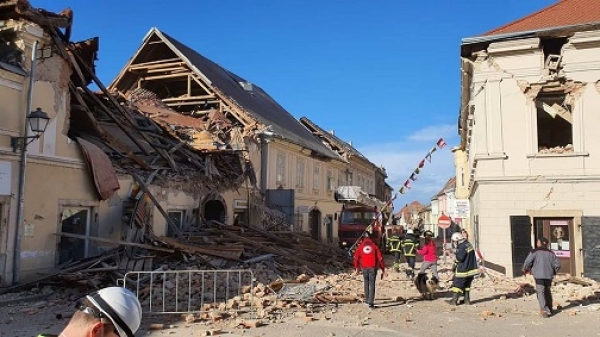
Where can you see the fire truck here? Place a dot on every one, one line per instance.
(360, 212)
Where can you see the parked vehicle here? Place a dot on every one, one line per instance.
(359, 213)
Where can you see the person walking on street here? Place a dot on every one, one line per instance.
(410, 244)
(108, 312)
(465, 269)
(368, 258)
(394, 246)
(543, 264)
(429, 253)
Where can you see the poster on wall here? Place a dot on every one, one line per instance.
(462, 209)
(560, 238)
(5, 177)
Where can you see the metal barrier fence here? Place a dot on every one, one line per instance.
(190, 291)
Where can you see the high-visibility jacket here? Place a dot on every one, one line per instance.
(409, 244)
(466, 260)
(394, 243)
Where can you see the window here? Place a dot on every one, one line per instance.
(316, 176)
(74, 220)
(177, 217)
(280, 168)
(298, 221)
(330, 182)
(340, 179)
(300, 172)
(554, 123)
(349, 178)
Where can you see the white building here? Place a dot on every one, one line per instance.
(529, 124)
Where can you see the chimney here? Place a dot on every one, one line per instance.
(332, 132)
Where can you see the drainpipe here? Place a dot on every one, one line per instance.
(22, 165)
(264, 163)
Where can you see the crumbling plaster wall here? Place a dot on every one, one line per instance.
(505, 81)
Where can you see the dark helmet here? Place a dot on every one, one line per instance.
(428, 234)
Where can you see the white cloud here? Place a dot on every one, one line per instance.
(431, 133)
(400, 158)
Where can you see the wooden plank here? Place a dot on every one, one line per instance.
(123, 263)
(228, 255)
(74, 268)
(148, 264)
(131, 265)
(157, 204)
(117, 242)
(313, 266)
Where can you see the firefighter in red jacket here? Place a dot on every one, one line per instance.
(369, 258)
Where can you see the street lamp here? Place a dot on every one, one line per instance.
(38, 121)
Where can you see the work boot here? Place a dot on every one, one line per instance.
(467, 298)
(453, 300)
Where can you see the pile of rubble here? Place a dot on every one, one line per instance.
(214, 267)
(556, 149)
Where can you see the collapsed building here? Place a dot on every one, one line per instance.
(98, 162)
(126, 180)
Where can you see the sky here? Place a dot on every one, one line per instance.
(382, 74)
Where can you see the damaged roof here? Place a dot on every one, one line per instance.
(342, 148)
(561, 14)
(252, 99)
(450, 184)
(115, 136)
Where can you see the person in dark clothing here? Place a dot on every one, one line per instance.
(394, 247)
(410, 244)
(465, 269)
(543, 264)
(368, 258)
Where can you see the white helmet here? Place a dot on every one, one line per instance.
(409, 231)
(121, 306)
(457, 237)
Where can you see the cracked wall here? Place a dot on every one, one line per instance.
(57, 72)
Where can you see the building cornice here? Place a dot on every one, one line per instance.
(537, 179)
(519, 46)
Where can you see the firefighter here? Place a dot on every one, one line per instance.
(465, 269)
(394, 247)
(409, 245)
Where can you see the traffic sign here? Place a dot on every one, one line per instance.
(444, 221)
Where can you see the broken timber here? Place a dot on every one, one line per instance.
(116, 242)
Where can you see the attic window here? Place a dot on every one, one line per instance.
(554, 123)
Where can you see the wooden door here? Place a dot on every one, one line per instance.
(559, 231)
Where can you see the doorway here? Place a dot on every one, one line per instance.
(315, 224)
(214, 210)
(559, 231)
(74, 220)
(178, 218)
(329, 228)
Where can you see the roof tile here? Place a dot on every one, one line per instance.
(562, 13)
